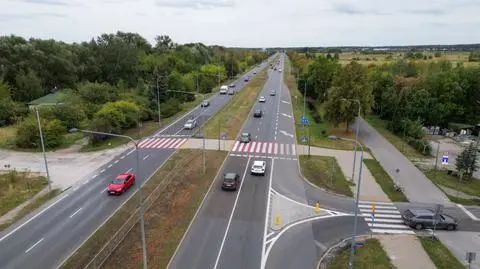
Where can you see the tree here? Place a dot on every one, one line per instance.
(351, 83)
(467, 160)
(28, 135)
(97, 93)
(28, 86)
(320, 76)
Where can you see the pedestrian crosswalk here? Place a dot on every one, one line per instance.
(383, 217)
(165, 143)
(270, 148)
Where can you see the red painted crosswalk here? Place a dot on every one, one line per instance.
(162, 143)
(265, 148)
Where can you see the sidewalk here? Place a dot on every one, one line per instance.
(405, 251)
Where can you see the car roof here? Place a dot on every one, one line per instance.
(245, 133)
(422, 212)
(230, 175)
(122, 176)
(258, 162)
(190, 120)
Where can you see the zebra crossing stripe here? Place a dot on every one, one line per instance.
(269, 148)
(150, 144)
(384, 220)
(163, 143)
(169, 143)
(252, 147)
(144, 142)
(293, 149)
(287, 150)
(241, 147)
(382, 225)
(174, 144)
(259, 145)
(275, 149)
(281, 149)
(391, 231)
(382, 216)
(380, 211)
(181, 143)
(264, 148)
(159, 141)
(377, 207)
(235, 146)
(247, 146)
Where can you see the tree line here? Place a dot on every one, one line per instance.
(408, 94)
(108, 83)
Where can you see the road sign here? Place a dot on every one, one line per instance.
(304, 120)
(445, 158)
(470, 257)
(304, 139)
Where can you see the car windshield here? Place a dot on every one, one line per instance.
(257, 166)
(409, 213)
(117, 181)
(189, 121)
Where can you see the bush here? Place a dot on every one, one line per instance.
(169, 109)
(28, 134)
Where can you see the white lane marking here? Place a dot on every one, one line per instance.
(285, 102)
(259, 145)
(94, 176)
(286, 134)
(122, 157)
(75, 213)
(337, 213)
(174, 144)
(382, 216)
(264, 148)
(109, 166)
(289, 226)
(252, 147)
(293, 149)
(144, 142)
(473, 217)
(377, 207)
(169, 143)
(389, 231)
(181, 143)
(383, 225)
(163, 143)
(34, 245)
(130, 152)
(288, 116)
(116, 161)
(380, 211)
(129, 170)
(32, 218)
(144, 158)
(281, 149)
(376, 203)
(384, 220)
(270, 234)
(240, 147)
(104, 190)
(236, 145)
(231, 214)
(275, 149)
(320, 245)
(267, 215)
(270, 148)
(158, 143)
(275, 138)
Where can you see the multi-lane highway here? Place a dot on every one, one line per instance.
(44, 239)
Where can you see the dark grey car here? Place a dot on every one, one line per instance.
(245, 137)
(230, 181)
(425, 218)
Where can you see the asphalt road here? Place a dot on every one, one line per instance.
(46, 238)
(228, 231)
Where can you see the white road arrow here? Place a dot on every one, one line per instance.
(288, 116)
(285, 133)
(285, 102)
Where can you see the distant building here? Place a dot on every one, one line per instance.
(51, 99)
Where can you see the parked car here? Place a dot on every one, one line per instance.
(190, 124)
(230, 181)
(425, 218)
(223, 89)
(121, 183)
(262, 99)
(205, 103)
(257, 113)
(245, 137)
(258, 168)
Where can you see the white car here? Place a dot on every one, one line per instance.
(190, 124)
(258, 168)
(223, 89)
(262, 99)
(280, 70)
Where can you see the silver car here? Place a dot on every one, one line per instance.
(190, 124)
(262, 99)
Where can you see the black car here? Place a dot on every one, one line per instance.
(246, 79)
(230, 181)
(245, 137)
(257, 113)
(425, 218)
(205, 104)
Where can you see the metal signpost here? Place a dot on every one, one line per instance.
(436, 217)
(445, 158)
(373, 219)
(470, 257)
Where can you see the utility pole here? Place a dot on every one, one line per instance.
(158, 103)
(43, 150)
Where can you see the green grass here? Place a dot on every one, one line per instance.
(439, 254)
(231, 117)
(166, 219)
(440, 177)
(319, 131)
(371, 256)
(318, 170)
(464, 201)
(384, 180)
(148, 128)
(396, 141)
(32, 206)
(18, 187)
(7, 136)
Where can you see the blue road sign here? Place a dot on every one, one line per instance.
(304, 139)
(304, 120)
(445, 159)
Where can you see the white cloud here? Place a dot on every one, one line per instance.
(250, 23)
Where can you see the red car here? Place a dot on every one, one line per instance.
(121, 183)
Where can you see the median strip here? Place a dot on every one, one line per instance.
(385, 181)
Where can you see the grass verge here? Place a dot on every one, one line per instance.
(32, 206)
(319, 128)
(18, 187)
(231, 117)
(439, 254)
(384, 180)
(441, 177)
(402, 146)
(324, 172)
(371, 256)
(165, 221)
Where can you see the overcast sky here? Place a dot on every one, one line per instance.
(250, 23)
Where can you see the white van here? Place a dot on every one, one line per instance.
(223, 89)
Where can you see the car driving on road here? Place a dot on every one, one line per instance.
(232, 85)
(425, 218)
(205, 103)
(262, 99)
(190, 124)
(258, 168)
(231, 92)
(245, 137)
(230, 181)
(121, 183)
(273, 93)
(223, 89)
(257, 113)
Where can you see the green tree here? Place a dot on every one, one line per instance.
(97, 93)
(467, 160)
(320, 76)
(351, 83)
(28, 86)
(28, 134)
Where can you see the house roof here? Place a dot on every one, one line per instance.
(49, 99)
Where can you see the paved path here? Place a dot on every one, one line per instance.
(418, 188)
(461, 242)
(406, 251)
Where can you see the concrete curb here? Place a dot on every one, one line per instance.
(333, 250)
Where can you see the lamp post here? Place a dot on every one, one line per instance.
(203, 136)
(43, 149)
(139, 187)
(356, 134)
(357, 199)
(158, 97)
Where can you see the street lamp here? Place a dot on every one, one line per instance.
(356, 133)
(43, 149)
(203, 95)
(158, 97)
(357, 199)
(139, 187)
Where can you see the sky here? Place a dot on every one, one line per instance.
(250, 23)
